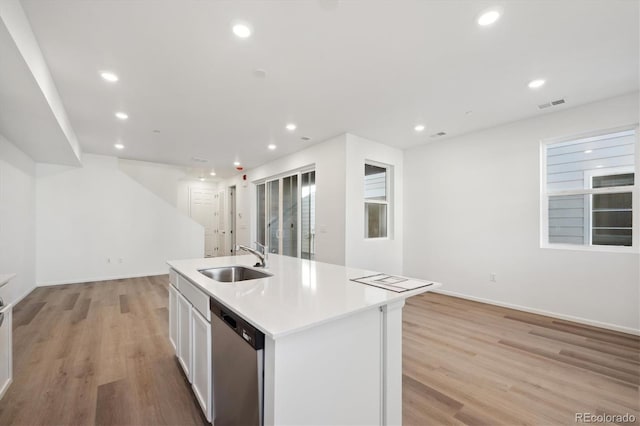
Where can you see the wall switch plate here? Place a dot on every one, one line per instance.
(492, 277)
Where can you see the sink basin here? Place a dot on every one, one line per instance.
(231, 274)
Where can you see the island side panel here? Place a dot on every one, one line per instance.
(392, 363)
(329, 374)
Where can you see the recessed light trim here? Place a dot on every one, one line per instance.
(236, 163)
(271, 147)
(419, 127)
(241, 30)
(122, 115)
(212, 173)
(109, 76)
(588, 151)
(537, 83)
(489, 17)
(118, 146)
(201, 179)
(291, 127)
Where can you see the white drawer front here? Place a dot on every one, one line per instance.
(197, 298)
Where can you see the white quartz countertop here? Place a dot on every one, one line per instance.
(5, 278)
(300, 294)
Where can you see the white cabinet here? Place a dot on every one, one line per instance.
(201, 366)
(6, 348)
(190, 335)
(173, 317)
(184, 336)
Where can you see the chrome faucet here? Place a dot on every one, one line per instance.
(262, 257)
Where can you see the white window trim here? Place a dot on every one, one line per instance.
(388, 202)
(634, 189)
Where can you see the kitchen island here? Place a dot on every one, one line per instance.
(332, 347)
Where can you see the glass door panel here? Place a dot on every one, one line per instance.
(261, 220)
(290, 216)
(273, 216)
(308, 214)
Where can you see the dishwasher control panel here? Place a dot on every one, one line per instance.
(248, 332)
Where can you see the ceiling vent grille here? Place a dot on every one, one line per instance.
(552, 103)
(199, 160)
(437, 135)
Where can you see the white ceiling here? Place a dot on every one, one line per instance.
(373, 68)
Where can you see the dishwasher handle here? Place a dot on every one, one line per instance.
(231, 322)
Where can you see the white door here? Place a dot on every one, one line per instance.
(222, 225)
(201, 367)
(173, 317)
(203, 209)
(184, 335)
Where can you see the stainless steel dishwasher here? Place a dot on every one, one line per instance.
(238, 361)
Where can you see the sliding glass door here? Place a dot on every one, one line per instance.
(308, 214)
(279, 221)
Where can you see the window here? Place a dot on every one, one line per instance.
(588, 191)
(376, 201)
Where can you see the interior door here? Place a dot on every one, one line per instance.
(221, 225)
(202, 209)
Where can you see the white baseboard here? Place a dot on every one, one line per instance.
(580, 320)
(93, 279)
(25, 294)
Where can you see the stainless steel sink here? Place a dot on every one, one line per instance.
(230, 274)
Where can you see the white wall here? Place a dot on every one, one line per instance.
(380, 254)
(473, 208)
(329, 160)
(17, 221)
(90, 214)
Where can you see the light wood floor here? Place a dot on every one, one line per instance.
(99, 354)
(472, 363)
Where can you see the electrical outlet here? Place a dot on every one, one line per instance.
(492, 277)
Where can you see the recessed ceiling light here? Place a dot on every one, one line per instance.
(291, 127)
(212, 173)
(201, 179)
(241, 30)
(489, 17)
(599, 166)
(109, 76)
(419, 128)
(122, 115)
(236, 163)
(534, 84)
(589, 151)
(118, 146)
(271, 147)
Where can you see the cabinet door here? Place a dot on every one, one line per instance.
(201, 367)
(184, 335)
(173, 317)
(6, 351)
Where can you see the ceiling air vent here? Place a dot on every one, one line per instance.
(437, 135)
(199, 160)
(552, 103)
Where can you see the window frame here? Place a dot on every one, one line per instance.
(634, 189)
(387, 201)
